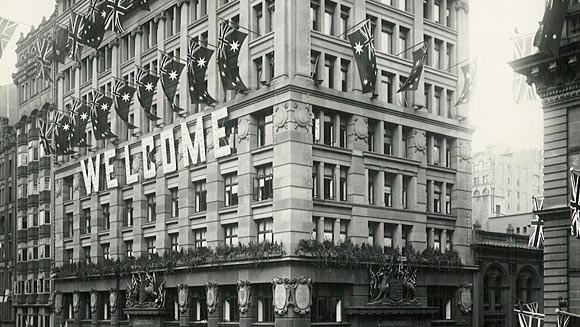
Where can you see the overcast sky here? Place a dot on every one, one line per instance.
(496, 118)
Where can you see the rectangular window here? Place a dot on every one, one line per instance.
(329, 229)
(448, 200)
(343, 230)
(87, 254)
(371, 238)
(329, 18)
(329, 71)
(344, 74)
(106, 252)
(388, 236)
(329, 183)
(200, 238)
(263, 183)
(200, 196)
(128, 213)
(371, 187)
(231, 234)
(105, 208)
(403, 42)
(265, 130)
(437, 240)
(265, 230)
(173, 242)
(174, 202)
(314, 13)
(151, 207)
(343, 184)
(231, 189)
(86, 221)
(387, 37)
(151, 249)
(128, 249)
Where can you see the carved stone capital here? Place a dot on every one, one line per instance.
(114, 42)
(113, 300)
(462, 5)
(137, 30)
(161, 16)
(180, 3)
(58, 302)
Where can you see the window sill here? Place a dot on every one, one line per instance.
(126, 229)
(128, 62)
(171, 220)
(198, 215)
(85, 236)
(104, 233)
(260, 39)
(151, 49)
(197, 22)
(441, 168)
(263, 148)
(434, 24)
(104, 73)
(229, 209)
(263, 203)
(149, 224)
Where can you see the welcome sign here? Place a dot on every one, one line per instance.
(192, 151)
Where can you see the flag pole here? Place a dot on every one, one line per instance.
(352, 27)
(198, 43)
(409, 48)
(238, 26)
(459, 63)
(147, 70)
(172, 56)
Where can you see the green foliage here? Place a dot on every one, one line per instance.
(168, 263)
(349, 255)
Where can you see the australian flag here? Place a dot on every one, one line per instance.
(146, 86)
(81, 115)
(419, 57)
(94, 24)
(469, 71)
(361, 41)
(171, 70)
(123, 97)
(549, 33)
(63, 135)
(197, 60)
(229, 45)
(100, 117)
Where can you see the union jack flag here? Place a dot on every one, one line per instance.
(536, 240)
(7, 29)
(528, 315)
(75, 36)
(575, 203)
(563, 320)
(522, 91)
(44, 57)
(115, 10)
(46, 130)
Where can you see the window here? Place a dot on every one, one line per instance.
(174, 202)
(263, 184)
(106, 216)
(200, 196)
(314, 13)
(449, 241)
(231, 189)
(265, 230)
(173, 242)
(437, 200)
(343, 184)
(329, 71)
(388, 236)
(265, 303)
(371, 187)
(329, 182)
(327, 303)
(200, 238)
(151, 249)
(128, 213)
(388, 195)
(329, 18)
(372, 228)
(387, 37)
(128, 249)
(265, 131)
(68, 255)
(329, 230)
(151, 207)
(258, 20)
(315, 191)
(231, 311)
(437, 240)
(448, 200)
(440, 297)
(343, 230)
(231, 234)
(403, 42)
(344, 64)
(106, 252)
(87, 254)
(86, 221)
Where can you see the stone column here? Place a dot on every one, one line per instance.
(320, 230)
(398, 192)
(215, 197)
(398, 148)
(321, 126)
(337, 127)
(186, 194)
(443, 240)
(336, 231)
(380, 189)
(321, 180)
(380, 137)
(398, 237)
(443, 198)
(380, 235)
(431, 237)
(443, 154)
(412, 193)
(116, 311)
(337, 182)
(247, 229)
(161, 99)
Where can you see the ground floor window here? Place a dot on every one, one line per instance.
(327, 302)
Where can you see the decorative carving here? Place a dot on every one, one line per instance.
(303, 295)
(420, 140)
(160, 16)
(211, 290)
(113, 296)
(361, 127)
(179, 3)
(136, 163)
(58, 188)
(243, 127)
(280, 293)
(292, 292)
(94, 300)
(465, 151)
(302, 115)
(393, 284)
(465, 298)
(281, 117)
(182, 297)
(462, 5)
(114, 42)
(137, 30)
(76, 301)
(145, 291)
(244, 291)
(57, 302)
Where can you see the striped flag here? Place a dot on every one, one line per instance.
(7, 29)
(75, 36)
(419, 57)
(536, 240)
(575, 203)
(115, 10)
(563, 320)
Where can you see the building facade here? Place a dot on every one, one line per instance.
(557, 84)
(504, 183)
(306, 159)
(32, 285)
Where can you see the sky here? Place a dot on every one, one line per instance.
(496, 118)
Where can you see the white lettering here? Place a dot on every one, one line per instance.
(197, 149)
(149, 166)
(218, 133)
(90, 174)
(168, 151)
(131, 178)
(110, 168)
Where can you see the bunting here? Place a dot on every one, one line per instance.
(528, 315)
(60, 44)
(536, 239)
(76, 36)
(419, 57)
(94, 25)
(123, 97)
(361, 41)
(115, 10)
(81, 114)
(146, 86)
(43, 57)
(549, 33)
(63, 134)
(170, 72)
(575, 202)
(229, 45)
(7, 29)
(469, 71)
(46, 130)
(100, 117)
(198, 58)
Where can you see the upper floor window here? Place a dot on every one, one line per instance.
(263, 183)
(265, 130)
(200, 190)
(230, 189)
(173, 193)
(128, 213)
(151, 248)
(128, 249)
(173, 242)
(200, 238)
(151, 207)
(231, 234)
(265, 230)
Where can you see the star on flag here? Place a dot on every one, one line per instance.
(358, 48)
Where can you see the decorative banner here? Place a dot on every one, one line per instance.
(60, 44)
(170, 72)
(44, 57)
(361, 41)
(244, 291)
(81, 114)
(211, 290)
(100, 116)
(536, 239)
(123, 97)
(94, 25)
(575, 203)
(182, 297)
(465, 298)
(115, 9)
(146, 86)
(197, 61)
(229, 45)
(76, 36)
(419, 57)
(7, 29)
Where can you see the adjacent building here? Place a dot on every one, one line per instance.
(504, 183)
(557, 84)
(303, 156)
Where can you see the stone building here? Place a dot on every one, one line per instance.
(311, 158)
(557, 84)
(504, 183)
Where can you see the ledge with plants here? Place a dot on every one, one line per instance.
(255, 253)
(349, 255)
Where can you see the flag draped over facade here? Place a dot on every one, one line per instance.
(46, 131)
(361, 41)
(522, 91)
(81, 114)
(171, 70)
(63, 134)
(549, 33)
(7, 29)
(575, 203)
(60, 44)
(44, 57)
(146, 86)
(536, 239)
(567, 319)
(123, 97)
(229, 45)
(197, 61)
(115, 10)
(94, 25)
(469, 70)
(419, 57)
(100, 116)
(75, 36)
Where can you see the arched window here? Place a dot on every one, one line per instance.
(476, 193)
(485, 191)
(493, 285)
(526, 285)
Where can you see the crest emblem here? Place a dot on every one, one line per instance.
(182, 297)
